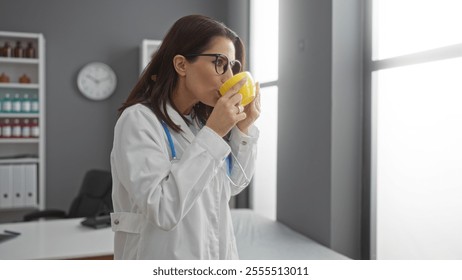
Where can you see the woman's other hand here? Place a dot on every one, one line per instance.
(252, 111)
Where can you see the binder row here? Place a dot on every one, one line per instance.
(18, 185)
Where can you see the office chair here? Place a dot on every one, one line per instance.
(94, 199)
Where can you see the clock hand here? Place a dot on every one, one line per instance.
(92, 78)
(104, 79)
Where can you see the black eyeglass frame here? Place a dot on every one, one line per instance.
(231, 63)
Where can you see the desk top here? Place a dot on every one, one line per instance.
(56, 239)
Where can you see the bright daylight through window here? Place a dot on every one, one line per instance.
(264, 21)
(416, 117)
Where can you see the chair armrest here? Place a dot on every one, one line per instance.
(45, 214)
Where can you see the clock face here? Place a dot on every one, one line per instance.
(96, 81)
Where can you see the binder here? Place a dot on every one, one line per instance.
(30, 181)
(6, 182)
(19, 187)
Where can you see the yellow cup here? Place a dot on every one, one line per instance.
(247, 90)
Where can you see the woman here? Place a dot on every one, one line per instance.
(181, 150)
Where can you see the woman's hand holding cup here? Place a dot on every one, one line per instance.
(228, 111)
(239, 105)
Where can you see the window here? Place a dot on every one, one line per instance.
(264, 23)
(416, 177)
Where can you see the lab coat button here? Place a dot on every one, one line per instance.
(244, 143)
(116, 222)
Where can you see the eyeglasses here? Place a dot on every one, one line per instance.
(221, 62)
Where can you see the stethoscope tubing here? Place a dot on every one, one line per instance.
(170, 140)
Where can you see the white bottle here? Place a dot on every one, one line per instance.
(6, 128)
(34, 104)
(25, 130)
(16, 131)
(6, 104)
(17, 103)
(25, 104)
(34, 129)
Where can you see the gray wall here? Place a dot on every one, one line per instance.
(238, 15)
(319, 121)
(346, 172)
(79, 131)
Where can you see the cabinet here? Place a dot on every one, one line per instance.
(22, 122)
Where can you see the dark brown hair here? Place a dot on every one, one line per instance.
(190, 34)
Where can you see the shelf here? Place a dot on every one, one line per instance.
(18, 160)
(19, 140)
(19, 86)
(12, 36)
(19, 115)
(17, 150)
(19, 60)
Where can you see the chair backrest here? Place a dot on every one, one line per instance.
(94, 198)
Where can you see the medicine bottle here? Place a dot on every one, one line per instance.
(6, 51)
(30, 51)
(18, 50)
(4, 78)
(25, 104)
(16, 103)
(7, 104)
(16, 129)
(34, 129)
(6, 128)
(34, 104)
(25, 129)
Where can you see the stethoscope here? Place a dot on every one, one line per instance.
(229, 158)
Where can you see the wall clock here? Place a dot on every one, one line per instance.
(96, 81)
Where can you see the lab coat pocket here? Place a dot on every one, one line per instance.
(127, 222)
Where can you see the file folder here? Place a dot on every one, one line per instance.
(30, 181)
(19, 187)
(6, 182)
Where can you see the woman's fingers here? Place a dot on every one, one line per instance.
(240, 117)
(235, 99)
(257, 97)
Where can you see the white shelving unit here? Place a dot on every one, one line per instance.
(147, 49)
(26, 152)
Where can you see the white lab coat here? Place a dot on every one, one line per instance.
(178, 209)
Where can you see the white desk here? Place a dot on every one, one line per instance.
(56, 239)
